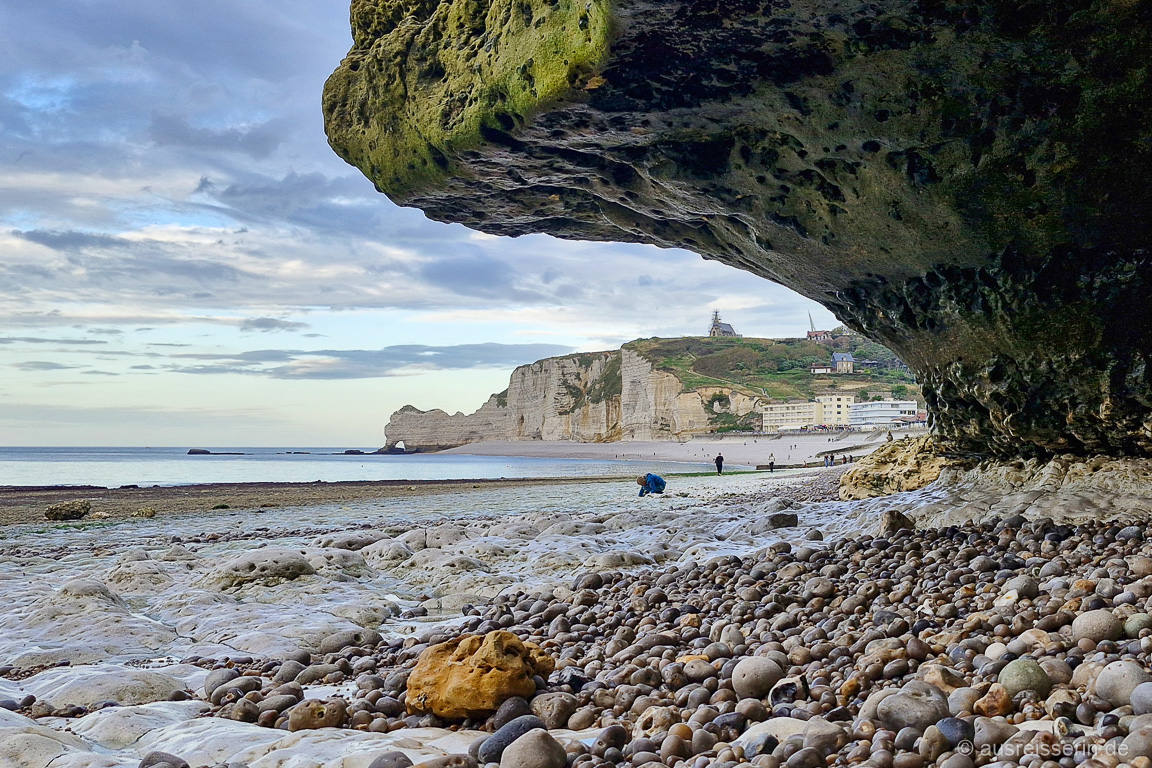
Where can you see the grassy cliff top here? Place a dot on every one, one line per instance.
(776, 368)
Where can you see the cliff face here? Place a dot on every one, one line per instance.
(599, 397)
(653, 407)
(962, 181)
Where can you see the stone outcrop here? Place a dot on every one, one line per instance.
(964, 181)
(597, 397)
(269, 566)
(902, 465)
(472, 675)
(77, 509)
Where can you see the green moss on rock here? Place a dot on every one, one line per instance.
(426, 81)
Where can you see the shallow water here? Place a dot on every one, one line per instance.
(112, 467)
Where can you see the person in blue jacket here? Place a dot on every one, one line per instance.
(650, 483)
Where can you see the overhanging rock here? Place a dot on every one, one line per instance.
(965, 182)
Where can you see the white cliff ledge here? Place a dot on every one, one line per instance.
(652, 390)
(592, 397)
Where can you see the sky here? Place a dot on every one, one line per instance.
(185, 262)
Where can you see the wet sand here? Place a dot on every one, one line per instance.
(27, 504)
(748, 450)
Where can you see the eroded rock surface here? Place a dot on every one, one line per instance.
(472, 675)
(902, 465)
(962, 181)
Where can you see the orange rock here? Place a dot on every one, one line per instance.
(851, 687)
(471, 676)
(940, 676)
(995, 702)
(883, 656)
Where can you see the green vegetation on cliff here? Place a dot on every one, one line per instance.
(776, 368)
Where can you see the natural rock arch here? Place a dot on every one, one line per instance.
(966, 182)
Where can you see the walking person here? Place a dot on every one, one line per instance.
(719, 463)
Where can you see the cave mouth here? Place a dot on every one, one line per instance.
(964, 182)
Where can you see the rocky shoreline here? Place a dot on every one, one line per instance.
(26, 504)
(915, 649)
(1011, 642)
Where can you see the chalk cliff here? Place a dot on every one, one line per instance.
(599, 397)
(651, 389)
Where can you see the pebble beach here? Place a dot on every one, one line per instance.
(740, 620)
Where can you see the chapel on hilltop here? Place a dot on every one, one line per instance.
(720, 329)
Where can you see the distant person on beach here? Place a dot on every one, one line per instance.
(772, 465)
(719, 463)
(650, 483)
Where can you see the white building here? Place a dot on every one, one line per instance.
(882, 413)
(826, 410)
(782, 416)
(837, 409)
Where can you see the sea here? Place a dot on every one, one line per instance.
(116, 467)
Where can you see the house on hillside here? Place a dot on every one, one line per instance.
(721, 329)
(843, 362)
(821, 368)
(815, 335)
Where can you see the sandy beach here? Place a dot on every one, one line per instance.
(23, 505)
(27, 505)
(747, 450)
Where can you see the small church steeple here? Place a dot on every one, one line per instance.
(720, 329)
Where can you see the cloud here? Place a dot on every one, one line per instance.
(266, 324)
(258, 141)
(41, 365)
(367, 364)
(68, 240)
(37, 340)
(473, 275)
